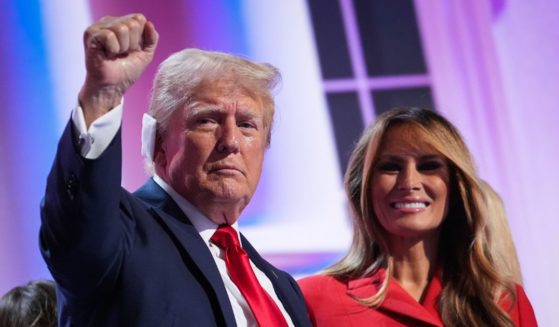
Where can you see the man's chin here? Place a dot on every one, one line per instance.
(228, 193)
(223, 206)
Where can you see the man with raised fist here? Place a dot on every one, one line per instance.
(169, 254)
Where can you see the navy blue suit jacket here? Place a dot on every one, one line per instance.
(122, 259)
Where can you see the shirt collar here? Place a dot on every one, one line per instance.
(205, 227)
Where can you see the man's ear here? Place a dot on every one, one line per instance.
(160, 155)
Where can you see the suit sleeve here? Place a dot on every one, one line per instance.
(85, 225)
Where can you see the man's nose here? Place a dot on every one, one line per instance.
(228, 141)
(409, 179)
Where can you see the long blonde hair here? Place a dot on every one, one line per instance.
(500, 237)
(472, 286)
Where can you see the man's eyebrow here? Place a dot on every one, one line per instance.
(203, 108)
(248, 114)
(199, 106)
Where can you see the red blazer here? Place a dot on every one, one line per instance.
(331, 303)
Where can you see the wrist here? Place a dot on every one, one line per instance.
(97, 101)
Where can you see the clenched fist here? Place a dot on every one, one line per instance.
(117, 51)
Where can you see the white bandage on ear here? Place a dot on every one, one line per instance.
(149, 132)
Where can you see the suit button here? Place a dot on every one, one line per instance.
(72, 186)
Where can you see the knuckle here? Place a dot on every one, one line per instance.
(133, 24)
(87, 34)
(138, 17)
(121, 28)
(93, 36)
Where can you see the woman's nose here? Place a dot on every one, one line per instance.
(409, 179)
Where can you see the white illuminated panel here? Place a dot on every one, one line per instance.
(64, 24)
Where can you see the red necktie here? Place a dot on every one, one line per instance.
(264, 309)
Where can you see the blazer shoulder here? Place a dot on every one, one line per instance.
(523, 312)
(320, 287)
(320, 280)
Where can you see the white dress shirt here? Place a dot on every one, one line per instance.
(96, 139)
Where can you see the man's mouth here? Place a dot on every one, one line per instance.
(225, 169)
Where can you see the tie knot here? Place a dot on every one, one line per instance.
(225, 237)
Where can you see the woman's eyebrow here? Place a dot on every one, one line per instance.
(400, 157)
(431, 157)
(390, 157)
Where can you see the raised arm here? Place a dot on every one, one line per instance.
(86, 224)
(117, 51)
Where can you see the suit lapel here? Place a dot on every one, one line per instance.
(397, 300)
(282, 286)
(183, 233)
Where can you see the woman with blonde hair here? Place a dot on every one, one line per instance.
(420, 255)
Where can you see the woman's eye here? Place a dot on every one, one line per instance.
(389, 167)
(430, 165)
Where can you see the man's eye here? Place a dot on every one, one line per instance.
(430, 165)
(389, 167)
(203, 121)
(246, 125)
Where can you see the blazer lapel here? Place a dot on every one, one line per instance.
(280, 283)
(183, 233)
(397, 300)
